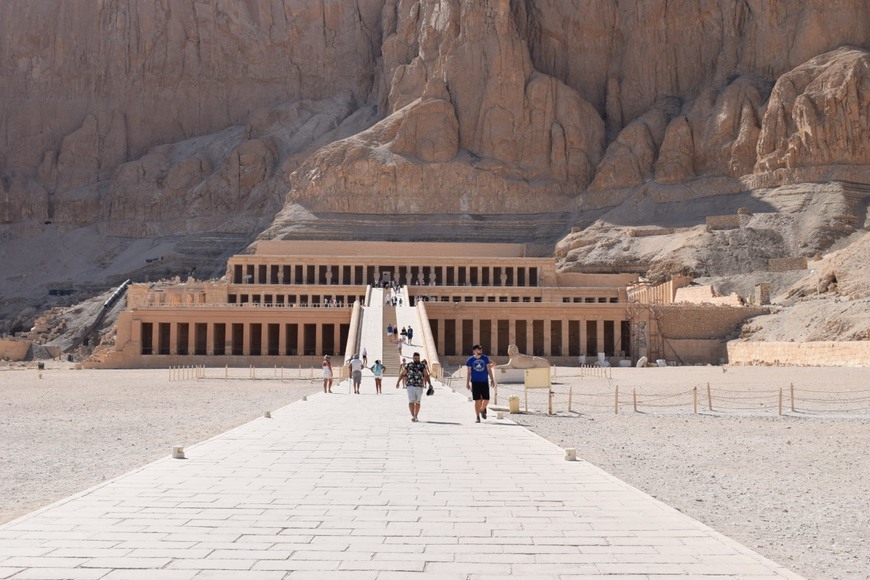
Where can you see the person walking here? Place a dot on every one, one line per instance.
(477, 379)
(356, 367)
(389, 331)
(404, 334)
(410, 335)
(326, 365)
(415, 375)
(378, 370)
(364, 354)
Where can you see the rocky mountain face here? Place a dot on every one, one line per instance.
(133, 120)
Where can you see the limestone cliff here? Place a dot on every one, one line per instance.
(136, 119)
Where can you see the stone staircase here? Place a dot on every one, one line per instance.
(391, 358)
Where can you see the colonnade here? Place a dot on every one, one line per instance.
(542, 337)
(241, 338)
(410, 275)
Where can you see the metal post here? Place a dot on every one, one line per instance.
(616, 401)
(695, 400)
(709, 398)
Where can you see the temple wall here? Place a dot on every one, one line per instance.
(14, 350)
(822, 353)
(704, 322)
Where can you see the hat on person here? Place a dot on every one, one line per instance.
(476, 347)
(326, 356)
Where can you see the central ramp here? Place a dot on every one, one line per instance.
(346, 486)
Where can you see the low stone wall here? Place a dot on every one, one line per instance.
(821, 354)
(695, 351)
(703, 322)
(723, 222)
(787, 264)
(14, 350)
(705, 295)
(647, 232)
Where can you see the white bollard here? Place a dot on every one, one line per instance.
(570, 454)
(267, 414)
(178, 452)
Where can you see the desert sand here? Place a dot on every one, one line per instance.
(792, 487)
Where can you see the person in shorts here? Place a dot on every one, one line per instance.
(326, 365)
(477, 379)
(378, 370)
(415, 375)
(356, 367)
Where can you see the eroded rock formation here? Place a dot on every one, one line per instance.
(143, 119)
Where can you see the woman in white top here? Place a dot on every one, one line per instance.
(327, 374)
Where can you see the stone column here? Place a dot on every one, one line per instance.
(617, 336)
(173, 338)
(493, 336)
(512, 331)
(300, 338)
(583, 337)
(341, 274)
(548, 332)
(318, 338)
(458, 339)
(155, 337)
(282, 339)
(565, 339)
(475, 330)
(599, 338)
(209, 338)
(440, 345)
(336, 339)
(246, 338)
(191, 338)
(530, 336)
(264, 338)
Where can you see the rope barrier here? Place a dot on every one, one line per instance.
(721, 401)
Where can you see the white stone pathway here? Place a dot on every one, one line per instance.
(346, 486)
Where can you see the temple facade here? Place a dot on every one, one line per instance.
(290, 302)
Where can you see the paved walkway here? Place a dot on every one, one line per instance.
(346, 486)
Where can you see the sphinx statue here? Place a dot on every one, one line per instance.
(523, 361)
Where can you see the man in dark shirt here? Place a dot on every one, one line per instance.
(415, 376)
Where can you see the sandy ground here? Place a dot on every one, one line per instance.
(73, 429)
(793, 487)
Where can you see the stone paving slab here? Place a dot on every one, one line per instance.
(346, 486)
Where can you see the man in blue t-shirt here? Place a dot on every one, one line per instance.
(477, 380)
